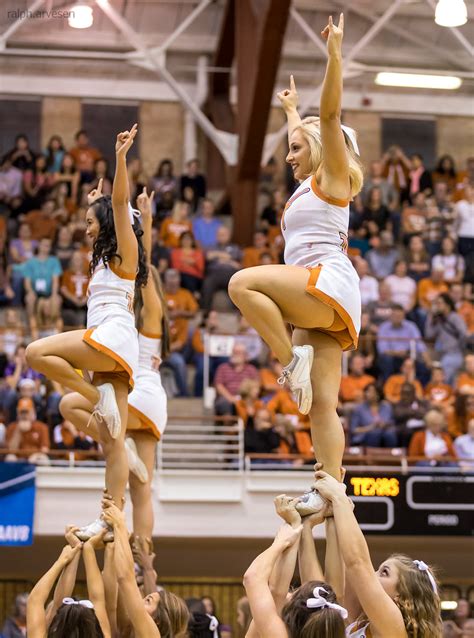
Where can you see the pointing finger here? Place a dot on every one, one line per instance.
(292, 83)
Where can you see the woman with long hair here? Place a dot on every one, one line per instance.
(54, 153)
(189, 260)
(108, 348)
(147, 404)
(312, 609)
(69, 175)
(157, 615)
(402, 594)
(65, 617)
(317, 290)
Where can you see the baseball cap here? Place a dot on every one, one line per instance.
(27, 383)
(25, 404)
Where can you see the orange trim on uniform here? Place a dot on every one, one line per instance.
(145, 422)
(113, 355)
(348, 338)
(121, 273)
(328, 198)
(150, 335)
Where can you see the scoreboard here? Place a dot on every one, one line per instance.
(425, 504)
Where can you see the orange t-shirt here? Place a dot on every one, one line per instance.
(282, 403)
(241, 409)
(35, 439)
(466, 312)
(75, 283)
(302, 441)
(428, 291)
(438, 392)
(251, 256)
(41, 224)
(393, 387)
(413, 220)
(171, 231)
(352, 387)
(465, 383)
(85, 158)
(181, 300)
(268, 379)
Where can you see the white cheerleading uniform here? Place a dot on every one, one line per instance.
(110, 317)
(148, 400)
(315, 229)
(355, 630)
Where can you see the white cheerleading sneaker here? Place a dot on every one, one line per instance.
(94, 528)
(107, 409)
(310, 503)
(298, 375)
(135, 464)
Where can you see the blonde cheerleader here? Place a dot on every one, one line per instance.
(317, 290)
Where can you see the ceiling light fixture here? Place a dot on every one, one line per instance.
(80, 16)
(418, 81)
(451, 13)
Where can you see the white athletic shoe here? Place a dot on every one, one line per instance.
(135, 464)
(88, 531)
(107, 409)
(310, 503)
(298, 375)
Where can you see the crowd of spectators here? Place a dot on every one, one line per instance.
(411, 239)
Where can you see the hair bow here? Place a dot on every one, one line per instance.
(423, 567)
(319, 602)
(133, 213)
(83, 603)
(213, 625)
(352, 136)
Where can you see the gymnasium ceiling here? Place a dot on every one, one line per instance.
(409, 40)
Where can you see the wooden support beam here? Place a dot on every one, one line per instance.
(260, 29)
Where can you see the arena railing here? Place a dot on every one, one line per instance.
(220, 345)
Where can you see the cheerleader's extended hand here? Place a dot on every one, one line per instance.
(333, 35)
(289, 97)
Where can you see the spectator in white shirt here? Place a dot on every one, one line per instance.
(402, 287)
(465, 221)
(369, 287)
(464, 446)
(450, 261)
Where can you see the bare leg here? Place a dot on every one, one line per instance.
(58, 357)
(78, 410)
(326, 429)
(271, 296)
(140, 493)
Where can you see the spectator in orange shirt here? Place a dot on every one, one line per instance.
(84, 156)
(26, 433)
(437, 391)
(432, 443)
(464, 308)
(173, 227)
(353, 384)
(430, 287)
(414, 217)
(393, 386)
(269, 377)
(188, 259)
(252, 254)
(43, 222)
(293, 439)
(460, 414)
(465, 379)
(283, 403)
(74, 283)
(249, 403)
(181, 307)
